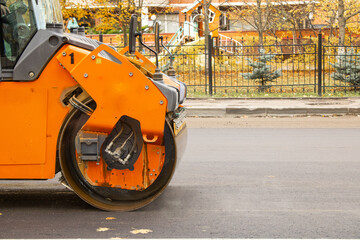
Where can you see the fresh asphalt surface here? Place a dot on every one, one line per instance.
(232, 183)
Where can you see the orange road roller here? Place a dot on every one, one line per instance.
(111, 122)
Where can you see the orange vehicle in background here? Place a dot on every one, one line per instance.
(111, 124)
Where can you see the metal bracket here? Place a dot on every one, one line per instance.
(89, 146)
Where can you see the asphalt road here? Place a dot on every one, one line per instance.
(232, 182)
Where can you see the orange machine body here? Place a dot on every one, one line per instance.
(32, 113)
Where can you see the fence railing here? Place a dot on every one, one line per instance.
(341, 68)
(277, 68)
(251, 70)
(224, 42)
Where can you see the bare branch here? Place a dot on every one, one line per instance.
(352, 15)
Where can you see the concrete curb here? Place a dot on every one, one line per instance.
(263, 111)
(271, 98)
(289, 107)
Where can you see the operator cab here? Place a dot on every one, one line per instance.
(20, 20)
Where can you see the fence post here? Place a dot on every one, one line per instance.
(320, 48)
(210, 47)
(100, 37)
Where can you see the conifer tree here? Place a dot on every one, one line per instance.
(348, 68)
(262, 72)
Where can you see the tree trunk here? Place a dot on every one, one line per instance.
(331, 34)
(294, 35)
(206, 5)
(331, 25)
(300, 33)
(261, 38)
(260, 24)
(126, 39)
(342, 23)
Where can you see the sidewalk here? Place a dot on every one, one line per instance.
(286, 107)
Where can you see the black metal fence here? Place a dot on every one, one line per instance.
(300, 68)
(296, 68)
(340, 68)
(189, 63)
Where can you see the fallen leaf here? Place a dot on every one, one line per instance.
(102, 229)
(141, 231)
(0, 213)
(110, 218)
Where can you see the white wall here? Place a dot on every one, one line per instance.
(169, 23)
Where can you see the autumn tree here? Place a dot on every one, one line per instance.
(327, 14)
(339, 13)
(115, 14)
(205, 6)
(78, 9)
(260, 15)
(295, 15)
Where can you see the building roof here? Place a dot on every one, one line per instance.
(191, 6)
(187, 6)
(99, 4)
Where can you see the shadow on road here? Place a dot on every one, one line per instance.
(50, 198)
(41, 198)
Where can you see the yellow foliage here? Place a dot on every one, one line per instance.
(328, 11)
(111, 14)
(78, 10)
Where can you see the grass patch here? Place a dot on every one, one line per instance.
(192, 94)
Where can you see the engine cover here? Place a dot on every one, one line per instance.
(123, 146)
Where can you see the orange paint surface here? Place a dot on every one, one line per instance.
(118, 89)
(31, 117)
(141, 60)
(146, 170)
